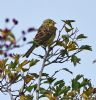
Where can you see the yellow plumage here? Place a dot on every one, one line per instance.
(45, 35)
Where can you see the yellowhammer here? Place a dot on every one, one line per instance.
(45, 35)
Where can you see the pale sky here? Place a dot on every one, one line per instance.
(33, 12)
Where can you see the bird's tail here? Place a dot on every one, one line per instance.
(27, 54)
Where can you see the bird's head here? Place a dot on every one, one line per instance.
(49, 22)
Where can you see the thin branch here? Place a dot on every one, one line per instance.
(62, 59)
(40, 56)
(40, 74)
(60, 31)
(63, 69)
(11, 96)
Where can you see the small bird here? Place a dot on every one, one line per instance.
(44, 37)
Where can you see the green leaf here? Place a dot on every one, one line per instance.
(81, 36)
(75, 60)
(63, 52)
(78, 77)
(28, 78)
(25, 62)
(60, 88)
(43, 91)
(25, 69)
(75, 82)
(29, 88)
(33, 62)
(68, 22)
(15, 63)
(86, 47)
(59, 82)
(85, 82)
(63, 90)
(45, 74)
(60, 43)
(35, 75)
(65, 38)
(12, 65)
(50, 80)
(68, 30)
(75, 85)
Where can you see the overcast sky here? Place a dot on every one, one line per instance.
(33, 12)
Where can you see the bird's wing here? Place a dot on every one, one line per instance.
(44, 34)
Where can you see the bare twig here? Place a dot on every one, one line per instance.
(40, 74)
(60, 32)
(40, 56)
(11, 96)
(63, 69)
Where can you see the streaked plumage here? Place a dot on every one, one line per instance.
(45, 35)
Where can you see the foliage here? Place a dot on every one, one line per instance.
(19, 71)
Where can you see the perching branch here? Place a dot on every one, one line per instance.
(40, 74)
